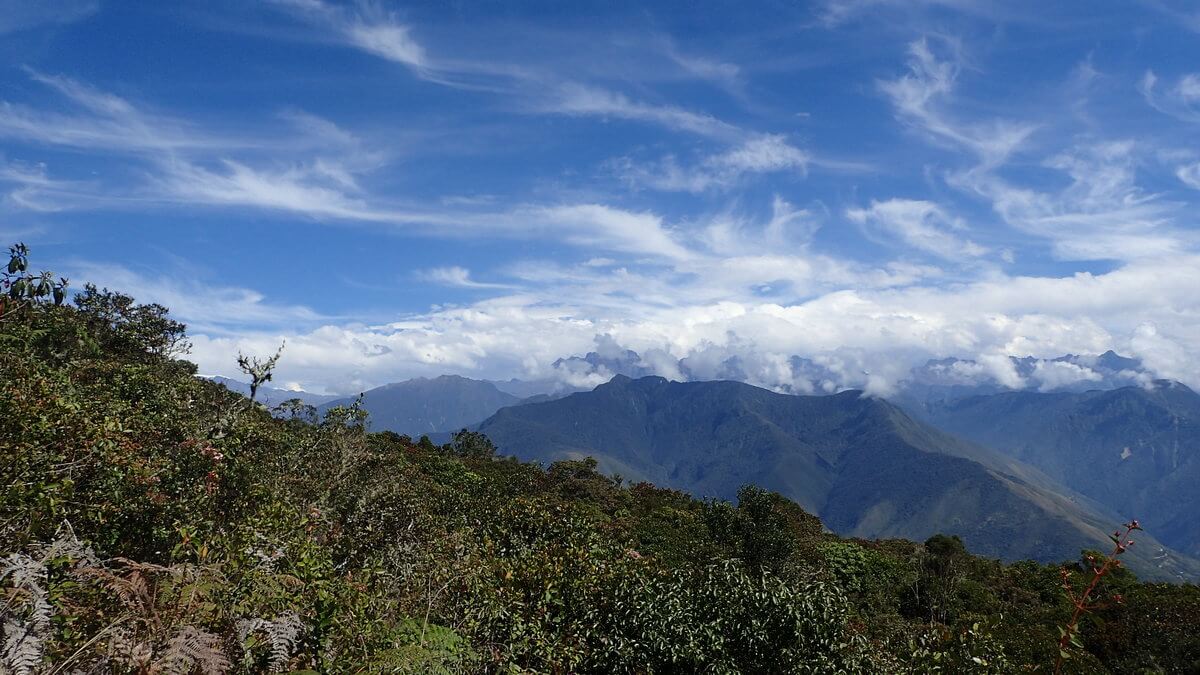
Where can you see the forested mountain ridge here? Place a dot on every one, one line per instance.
(860, 463)
(152, 521)
(1134, 448)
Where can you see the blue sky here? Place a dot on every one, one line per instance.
(482, 188)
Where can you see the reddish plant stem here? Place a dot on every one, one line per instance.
(1122, 542)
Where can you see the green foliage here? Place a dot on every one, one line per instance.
(869, 576)
(133, 331)
(23, 289)
(152, 521)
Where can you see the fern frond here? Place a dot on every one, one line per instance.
(126, 650)
(22, 649)
(133, 592)
(66, 545)
(283, 635)
(23, 571)
(26, 616)
(192, 648)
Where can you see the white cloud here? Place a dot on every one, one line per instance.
(836, 12)
(577, 99)
(207, 309)
(1181, 101)
(366, 27)
(725, 74)
(189, 165)
(1189, 175)
(1101, 214)
(764, 153)
(310, 190)
(607, 227)
(920, 224)
(863, 337)
(34, 190)
(1058, 374)
(105, 122)
(919, 95)
(17, 15)
(458, 277)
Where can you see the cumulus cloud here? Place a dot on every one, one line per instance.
(1059, 374)
(855, 338)
(709, 295)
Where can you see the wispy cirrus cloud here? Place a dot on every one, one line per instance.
(760, 154)
(456, 277)
(572, 98)
(606, 227)
(832, 14)
(1102, 213)
(103, 121)
(206, 308)
(366, 26)
(919, 97)
(540, 92)
(1181, 100)
(919, 224)
(17, 15)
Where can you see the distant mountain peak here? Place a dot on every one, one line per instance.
(422, 405)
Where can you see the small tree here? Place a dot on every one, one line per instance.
(259, 370)
(472, 445)
(123, 326)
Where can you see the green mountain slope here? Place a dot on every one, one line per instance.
(1134, 449)
(861, 464)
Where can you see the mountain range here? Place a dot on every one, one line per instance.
(1135, 449)
(861, 464)
(1038, 471)
(462, 402)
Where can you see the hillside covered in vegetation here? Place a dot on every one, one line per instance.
(155, 522)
